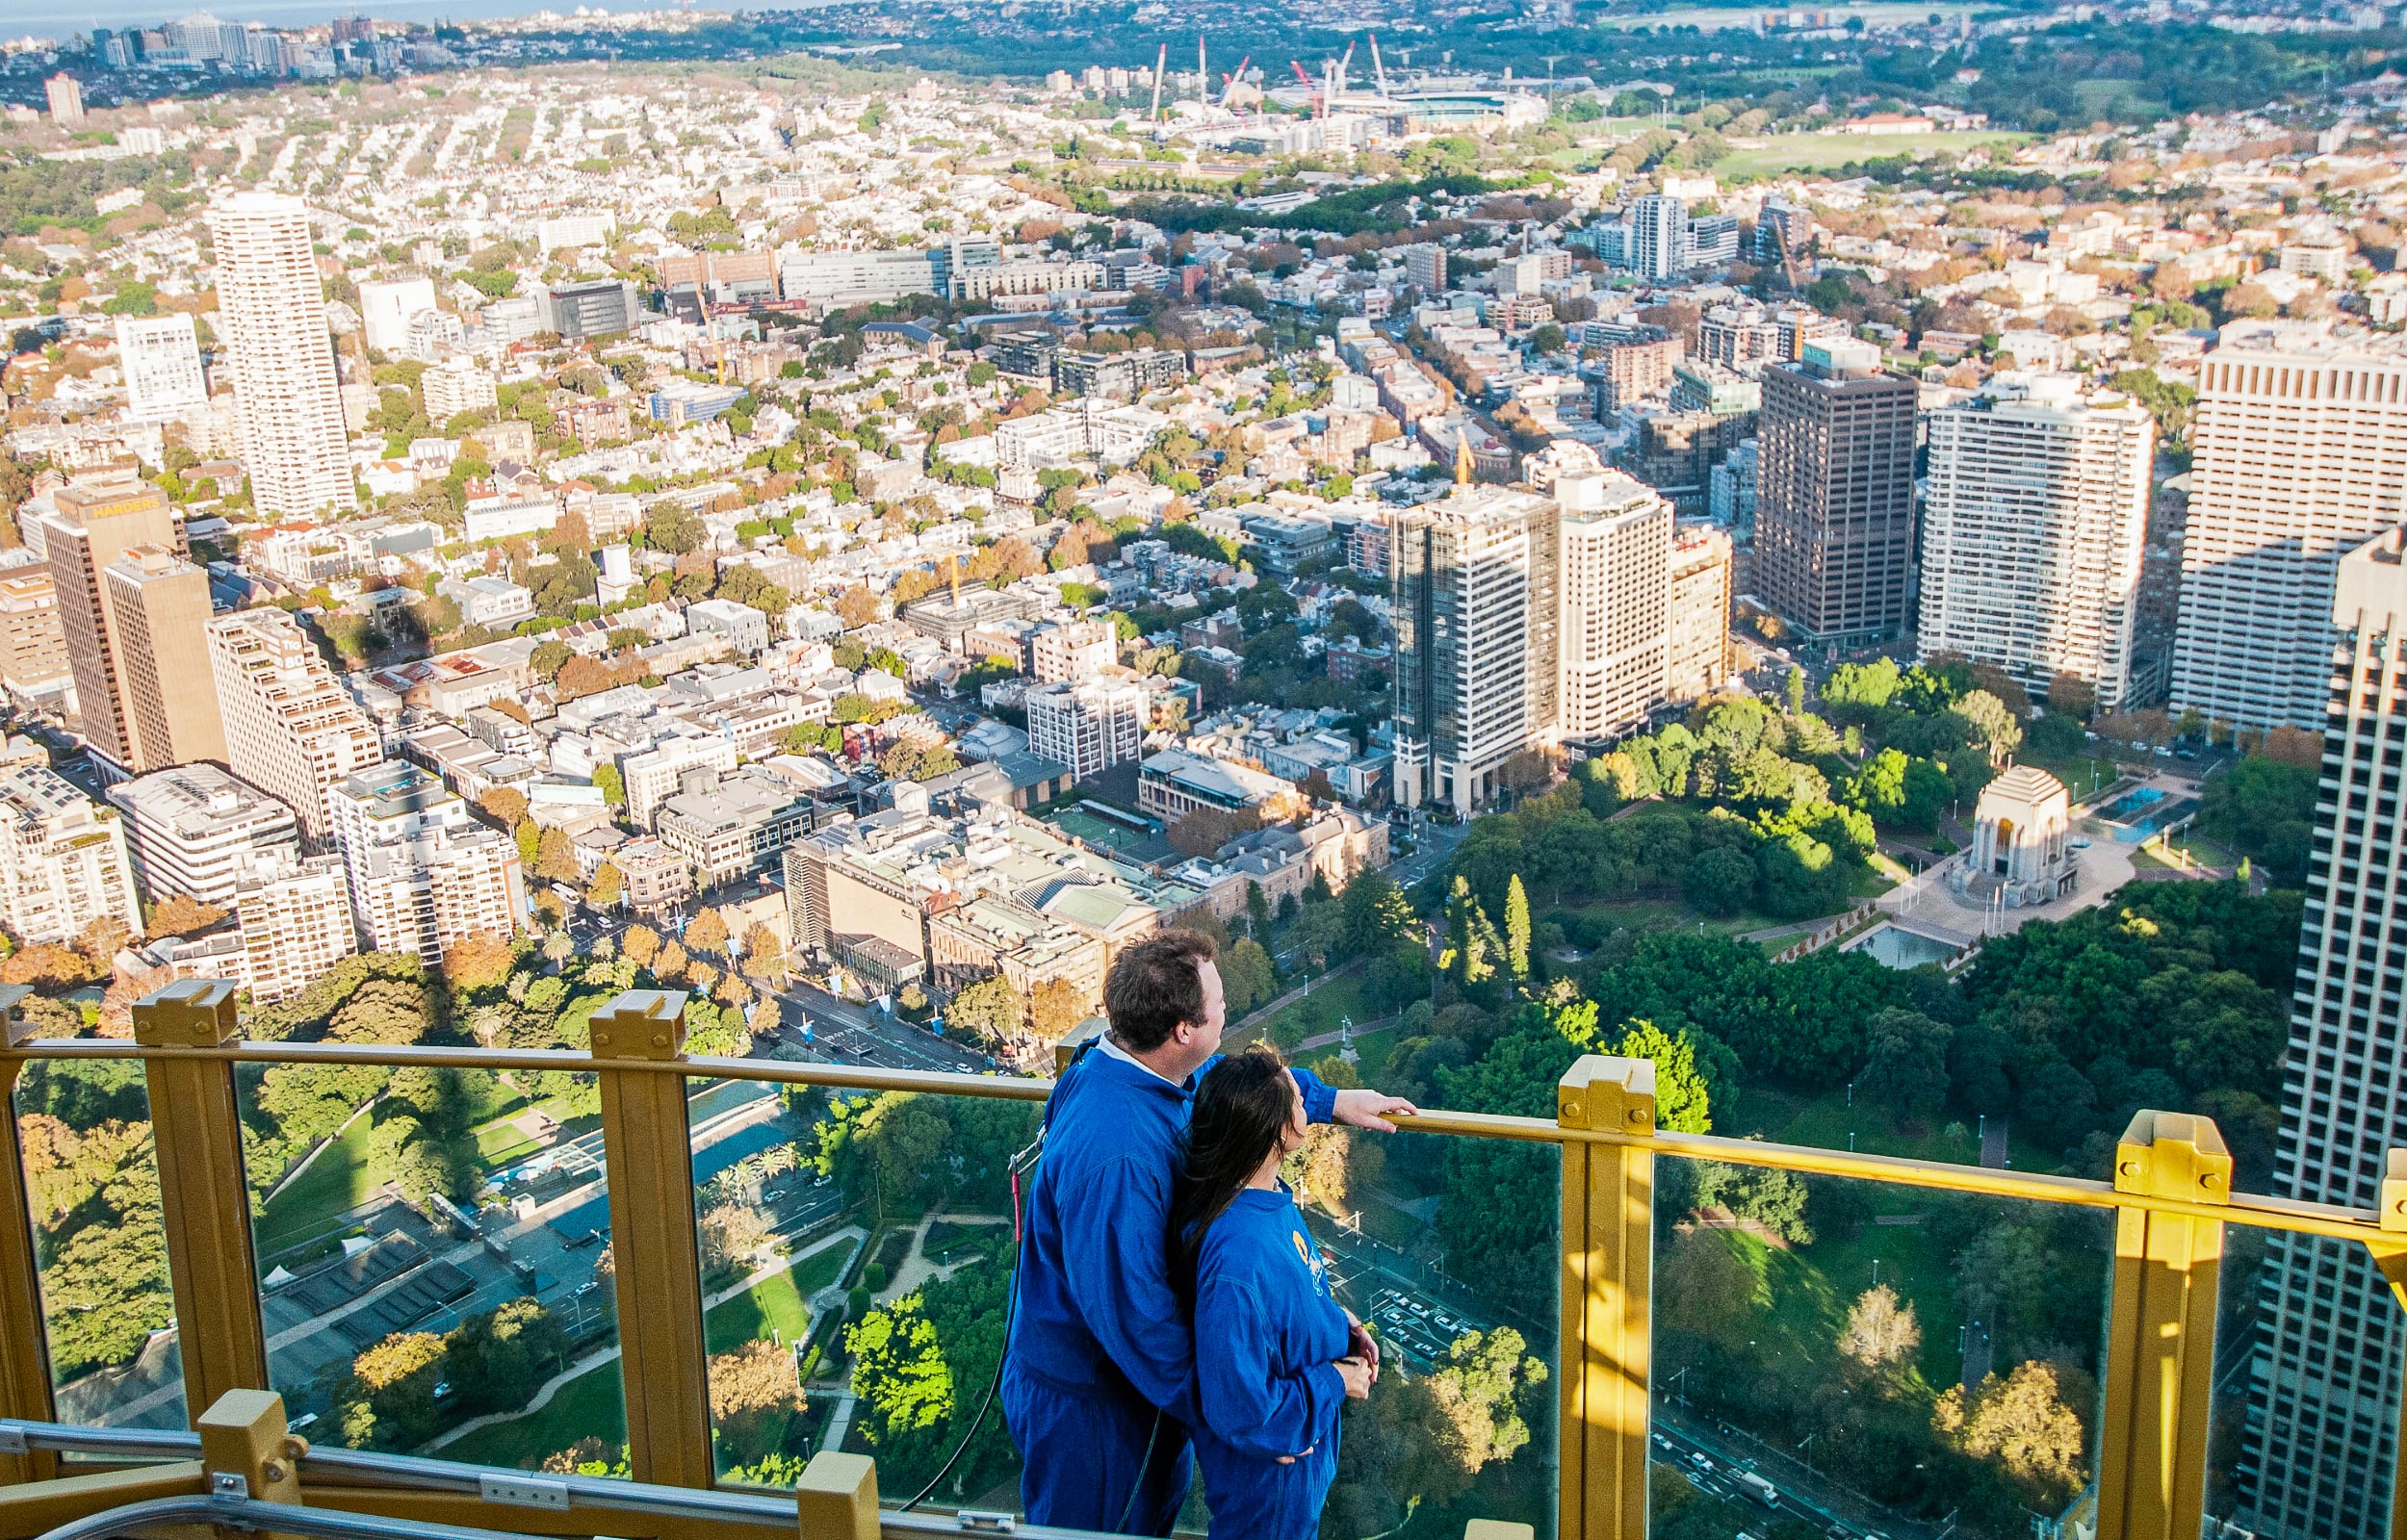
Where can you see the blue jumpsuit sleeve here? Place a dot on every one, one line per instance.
(1115, 1265)
(1320, 1098)
(1243, 1405)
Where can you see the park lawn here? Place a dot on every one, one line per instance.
(1828, 152)
(336, 1182)
(501, 1142)
(1371, 1049)
(1318, 1012)
(2083, 774)
(592, 1405)
(775, 1303)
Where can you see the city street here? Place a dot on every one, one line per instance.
(848, 1032)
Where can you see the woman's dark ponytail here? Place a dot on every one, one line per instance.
(1242, 1109)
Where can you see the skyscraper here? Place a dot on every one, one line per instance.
(2034, 515)
(295, 915)
(1699, 643)
(272, 312)
(158, 603)
(160, 356)
(1475, 617)
(1835, 505)
(291, 729)
(96, 522)
(1616, 585)
(1658, 238)
(2323, 1422)
(33, 667)
(2301, 453)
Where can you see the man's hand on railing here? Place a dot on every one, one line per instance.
(1371, 1109)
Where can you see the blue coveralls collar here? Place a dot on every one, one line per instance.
(1109, 1047)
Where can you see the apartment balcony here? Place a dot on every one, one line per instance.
(286, 1380)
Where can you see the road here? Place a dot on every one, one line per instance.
(849, 1034)
(1721, 1466)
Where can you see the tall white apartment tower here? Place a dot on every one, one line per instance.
(272, 311)
(291, 729)
(1658, 238)
(2321, 1434)
(160, 356)
(1616, 589)
(2301, 453)
(2035, 514)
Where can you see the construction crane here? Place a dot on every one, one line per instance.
(1315, 98)
(1161, 62)
(1340, 82)
(1229, 83)
(1378, 69)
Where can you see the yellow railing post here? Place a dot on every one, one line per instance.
(24, 1345)
(197, 1135)
(649, 1152)
(1608, 1259)
(837, 1498)
(243, 1434)
(2392, 1258)
(2151, 1454)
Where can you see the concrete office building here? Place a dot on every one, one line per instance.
(291, 729)
(159, 357)
(272, 314)
(1089, 726)
(2034, 515)
(63, 860)
(387, 307)
(423, 873)
(33, 666)
(295, 914)
(1476, 609)
(94, 523)
(1834, 509)
(2300, 446)
(653, 776)
(1698, 651)
(2320, 1437)
(197, 828)
(1614, 578)
(158, 606)
(732, 825)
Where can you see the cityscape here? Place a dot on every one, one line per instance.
(1857, 555)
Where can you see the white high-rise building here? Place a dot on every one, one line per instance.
(196, 829)
(2034, 515)
(63, 860)
(1657, 242)
(424, 874)
(296, 919)
(271, 309)
(1615, 587)
(2321, 1428)
(160, 356)
(386, 308)
(1089, 726)
(2300, 446)
(291, 729)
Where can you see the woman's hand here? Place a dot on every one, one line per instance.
(1362, 1344)
(1358, 1376)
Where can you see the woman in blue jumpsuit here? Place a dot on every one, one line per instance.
(1271, 1359)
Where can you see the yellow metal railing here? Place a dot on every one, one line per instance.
(2171, 1193)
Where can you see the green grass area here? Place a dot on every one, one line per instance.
(1318, 1012)
(1828, 152)
(336, 1182)
(2083, 774)
(592, 1405)
(773, 1304)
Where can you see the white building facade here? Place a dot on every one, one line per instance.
(272, 310)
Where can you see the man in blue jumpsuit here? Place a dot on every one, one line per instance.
(1099, 1378)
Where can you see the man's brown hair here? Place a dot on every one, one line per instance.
(1154, 986)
